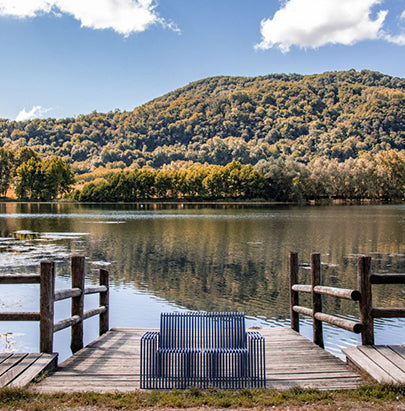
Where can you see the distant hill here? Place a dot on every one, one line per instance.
(220, 119)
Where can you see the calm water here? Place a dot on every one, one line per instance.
(165, 258)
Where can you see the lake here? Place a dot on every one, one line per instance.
(198, 257)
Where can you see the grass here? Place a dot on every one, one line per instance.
(376, 396)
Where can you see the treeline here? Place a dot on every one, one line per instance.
(379, 177)
(33, 178)
(334, 115)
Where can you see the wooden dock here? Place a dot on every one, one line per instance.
(111, 363)
(384, 363)
(18, 370)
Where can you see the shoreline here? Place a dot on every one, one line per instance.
(179, 202)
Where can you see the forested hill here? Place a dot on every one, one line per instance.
(220, 119)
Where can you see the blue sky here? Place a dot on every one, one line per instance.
(62, 58)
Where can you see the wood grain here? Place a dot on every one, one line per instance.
(111, 363)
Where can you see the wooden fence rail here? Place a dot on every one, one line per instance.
(316, 289)
(363, 296)
(367, 312)
(48, 297)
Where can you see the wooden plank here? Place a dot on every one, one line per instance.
(361, 361)
(44, 362)
(68, 322)
(104, 301)
(95, 289)
(366, 301)
(4, 357)
(399, 349)
(392, 312)
(17, 368)
(67, 293)
(111, 363)
(316, 299)
(78, 269)
(294, 296)
(11, 361)
(344, 293)
(393, 356)
(94, 311)
(378, 358)
(20, 279)
(387, 278)
(19, 316)
(47, 291)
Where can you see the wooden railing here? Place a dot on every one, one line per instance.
(317, 290)
(367, 311)
(48, 297)
(363, 296)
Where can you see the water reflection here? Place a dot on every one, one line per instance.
(214, 259)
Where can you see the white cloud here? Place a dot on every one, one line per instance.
(24, 8)
(398, 39)
(403, 15)
(315, 23)
(35, 112)
(123, 16)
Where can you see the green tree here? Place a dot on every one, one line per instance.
(6, 170)
(43, 180)
(30, 180)
(23, 154)
(59, 177)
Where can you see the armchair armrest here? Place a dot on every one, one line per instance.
(149, 345)
(257, 362)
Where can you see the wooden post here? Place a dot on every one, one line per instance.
(366, 301)
(47, 290)
(104, 301)
(316, 299)
(294, 296)
(78, 272)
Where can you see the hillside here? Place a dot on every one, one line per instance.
(216, 120)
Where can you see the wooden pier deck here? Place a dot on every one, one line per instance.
(18, 370)
(111, 363)
(384, 363)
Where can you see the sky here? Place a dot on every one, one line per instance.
(63, 58)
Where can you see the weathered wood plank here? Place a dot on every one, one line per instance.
(362, 361)
(20, 279)
(19, 316)
(3, 357)
(78, 269)
(294, 296)
(67, 293)
(375, 355)
(47, 290)
(399, 349)
(44, 362)
(390, 353)
(104, 301)
(10, 362)
(111, 363)
(17, 368)
(387, 278)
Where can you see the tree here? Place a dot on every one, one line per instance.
(30, 180)
(6, 170)
(58, 177)
(43, 180)
(24, 154)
